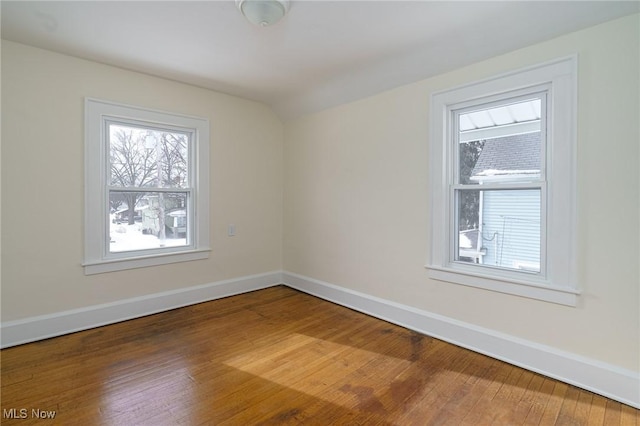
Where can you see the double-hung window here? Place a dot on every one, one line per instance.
(146, 187)
(503, 183)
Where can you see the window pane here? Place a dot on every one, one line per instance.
(147, 220)
(143, 157)
(499, 228)
(500, 144)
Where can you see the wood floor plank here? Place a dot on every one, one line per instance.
(597, 411)
(279, 357)
(554, 404)
(483, 407)
(629, 416)
(583, 405)
(612, 413)
(498, 406)
(528, 399)
(478, 377)
(437, 388)
(518, 409)
(539, 402)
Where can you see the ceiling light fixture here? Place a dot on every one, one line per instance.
(263, 12)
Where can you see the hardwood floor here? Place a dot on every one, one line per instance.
(277, 356)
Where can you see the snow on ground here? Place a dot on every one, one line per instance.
(126, 237)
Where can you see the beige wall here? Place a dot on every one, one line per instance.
(42, 183)
(356, 212)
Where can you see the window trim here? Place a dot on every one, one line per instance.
(558, 285)
(97, 258)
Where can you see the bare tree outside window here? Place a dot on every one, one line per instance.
(132, 165)
(470, 200)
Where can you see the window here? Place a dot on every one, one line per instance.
(497, 183)
(146, 187)
(503, 183)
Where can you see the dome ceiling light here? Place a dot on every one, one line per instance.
(263, 12)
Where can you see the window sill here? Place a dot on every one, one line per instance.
(99, 267)
(524, 288)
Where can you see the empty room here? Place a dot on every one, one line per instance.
(276, 212)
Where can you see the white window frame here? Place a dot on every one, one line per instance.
(556, 281)
(97, 256)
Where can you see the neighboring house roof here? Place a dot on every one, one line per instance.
(509, 155)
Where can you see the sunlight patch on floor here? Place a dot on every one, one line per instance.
(315, 366)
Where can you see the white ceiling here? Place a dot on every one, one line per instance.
(323, 53)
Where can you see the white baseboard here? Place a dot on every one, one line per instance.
(595, 376)
(598, 377)
(45, 326)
